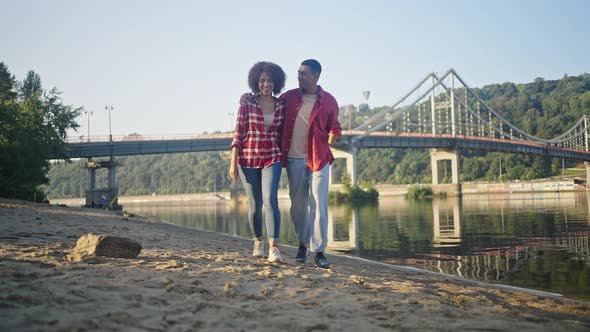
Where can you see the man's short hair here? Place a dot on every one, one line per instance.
(314, 65)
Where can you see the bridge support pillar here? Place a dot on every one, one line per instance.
(112, 171)
(437, 155)
(91, 178)
(350, 164)
(587, 164)
(106, 198)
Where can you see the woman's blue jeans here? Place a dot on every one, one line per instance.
(262, 186)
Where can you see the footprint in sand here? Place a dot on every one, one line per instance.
(171, 264)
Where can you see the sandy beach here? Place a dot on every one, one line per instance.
(191, 280)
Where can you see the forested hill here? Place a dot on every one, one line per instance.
(544, 108)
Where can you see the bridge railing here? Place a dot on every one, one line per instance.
(135, 138)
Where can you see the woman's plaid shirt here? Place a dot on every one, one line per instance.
(258, 147)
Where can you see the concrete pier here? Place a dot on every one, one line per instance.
(103, 198)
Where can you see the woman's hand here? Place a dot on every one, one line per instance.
(233, 171)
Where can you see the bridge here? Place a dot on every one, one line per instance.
(123, 146)
(442, 114)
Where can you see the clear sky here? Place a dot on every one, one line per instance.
(179, 67)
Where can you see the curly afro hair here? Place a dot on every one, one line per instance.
(274, 70)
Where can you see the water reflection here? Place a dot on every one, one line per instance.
(335, 239)
(446, 222)
(476, 263)
(538, 241)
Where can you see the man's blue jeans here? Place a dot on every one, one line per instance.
(309, 203)
(262, 186)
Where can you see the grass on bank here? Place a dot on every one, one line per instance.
(419, 192)
(353, 194)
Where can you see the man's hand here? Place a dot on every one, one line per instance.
(333, 138)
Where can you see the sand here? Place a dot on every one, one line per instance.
(191, 280)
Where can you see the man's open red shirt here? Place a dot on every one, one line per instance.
(322, 121)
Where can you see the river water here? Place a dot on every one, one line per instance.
(532, 240)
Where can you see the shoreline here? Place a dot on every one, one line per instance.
(404, 268)
(187, 279)
(385, 190)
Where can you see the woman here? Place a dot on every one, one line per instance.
(256, 153)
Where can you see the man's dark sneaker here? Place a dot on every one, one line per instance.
(321, 261)
(301, 255)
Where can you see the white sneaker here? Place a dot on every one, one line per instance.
(258, 249)
(274, 255)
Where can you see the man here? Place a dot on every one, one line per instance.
(311, 117)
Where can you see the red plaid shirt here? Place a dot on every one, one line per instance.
(258, 147)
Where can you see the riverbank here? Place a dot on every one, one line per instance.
(186, 279)
(385, 190)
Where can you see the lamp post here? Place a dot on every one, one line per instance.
(88, 113)
(350, 120)
(366, 95)
(231, 120)
(109, 108)
(349, 110)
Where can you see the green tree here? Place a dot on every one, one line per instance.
(7, 85)
(31, 85)
(472, 168)
(34, 125)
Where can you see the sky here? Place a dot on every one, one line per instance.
(180, 67)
